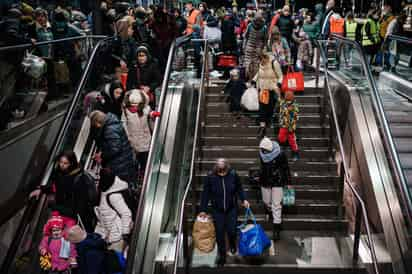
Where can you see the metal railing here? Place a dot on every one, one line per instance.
(180, 231)
(150, 165)
(388, 140)
(51, 42)
(361, 212)
(34, 204)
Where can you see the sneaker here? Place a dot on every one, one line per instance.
(232, 251)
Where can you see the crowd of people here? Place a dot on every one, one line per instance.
(87, 221)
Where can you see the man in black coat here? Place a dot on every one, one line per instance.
(116, 152)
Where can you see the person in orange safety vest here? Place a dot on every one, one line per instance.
(193, 17)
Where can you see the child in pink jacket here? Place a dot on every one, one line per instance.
(63, 253)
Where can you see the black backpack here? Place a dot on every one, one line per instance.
(89, 184)
(129, 197)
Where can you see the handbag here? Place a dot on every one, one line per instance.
(293, 81)
(252, 240)
(264, 96)
(250, 99)
(34, 66)
(227, 61)
(61, 72)
(204, 236)
(289, 195)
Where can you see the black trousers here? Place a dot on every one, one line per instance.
(225, 222)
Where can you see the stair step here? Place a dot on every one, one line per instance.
(249, 131)
(299, 222)
(250, 163)
(224, 107)
(251, 118)
(252, 141)
(301, 207)
(251, 152)
(218, 87)
(314, 179)
(319, 192)
(301, 99)
(256, 265)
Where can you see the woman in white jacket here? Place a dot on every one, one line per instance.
(138, 124)
(113, 213)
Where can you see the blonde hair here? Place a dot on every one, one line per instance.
(97, 117)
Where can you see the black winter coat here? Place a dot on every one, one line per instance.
(275, 173)
(223, 191)
(229, 42)
(286, 26)
(125, 51)
(144, 75)
(13, 34)
(71, 197)
(117, 153)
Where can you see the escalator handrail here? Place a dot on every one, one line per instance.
(398, 38)
(195, 143)
(51, 42)
(149, 166)
(388, 140)
(16, 242)
(348, 179)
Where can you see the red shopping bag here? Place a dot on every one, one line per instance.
(227, 61)
(293, 81)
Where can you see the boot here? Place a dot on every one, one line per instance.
(276, 232)
(221, 260)
(268, 214)
(261, 132)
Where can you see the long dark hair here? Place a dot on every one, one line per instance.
(71, 157)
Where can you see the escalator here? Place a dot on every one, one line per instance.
(374, 115)
(28, 140)
(30, 161)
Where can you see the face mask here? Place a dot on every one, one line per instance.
(133, 109)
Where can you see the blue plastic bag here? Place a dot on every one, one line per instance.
(253, 240)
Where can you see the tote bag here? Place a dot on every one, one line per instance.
(289, 195)
(293, 81)
(253, 240)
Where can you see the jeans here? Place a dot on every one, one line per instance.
(272, 198)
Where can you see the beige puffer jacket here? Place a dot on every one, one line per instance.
(138, 128)
(269, 75)
(113, 223)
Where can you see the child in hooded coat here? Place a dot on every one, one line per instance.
(235, 89)
(62, 253)
(138, 123)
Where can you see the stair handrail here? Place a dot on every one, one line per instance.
(361, 212)
(204, 77)
(40, 202)
(388, 140)
(51, 42)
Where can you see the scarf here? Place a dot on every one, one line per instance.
(269, 157)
